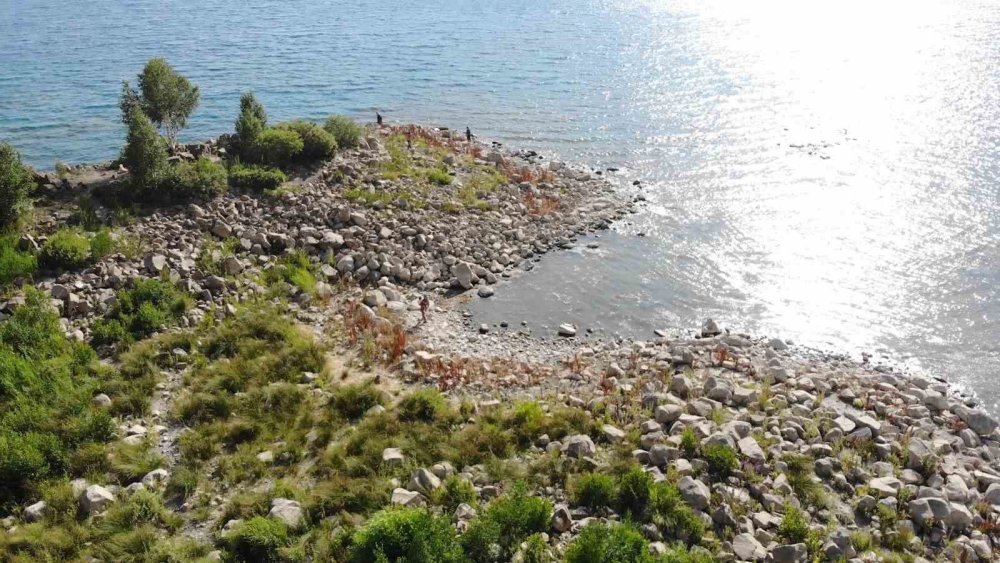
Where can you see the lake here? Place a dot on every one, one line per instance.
(824, 172)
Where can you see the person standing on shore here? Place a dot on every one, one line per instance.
(468, 134)
(425, 303)
(378, 118)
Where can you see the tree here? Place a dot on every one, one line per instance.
(166, 97)
(145, 153)
(16, 183)
(252, 120)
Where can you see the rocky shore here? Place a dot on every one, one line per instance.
(780, 454)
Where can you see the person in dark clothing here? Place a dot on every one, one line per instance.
(468, 134)
(378, 118)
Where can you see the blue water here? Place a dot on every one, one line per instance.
(823, 172)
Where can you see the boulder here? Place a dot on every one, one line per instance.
(95, 499)
(579, 446)
(424, 481)
(747, 548)
(694, 492)
(403, 497)
(288, 511)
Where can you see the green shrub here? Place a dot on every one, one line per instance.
(144, 154)
(258, 540)
(721, 459)
(317, 144)
(680, 554)
(344, 130)
(183, 481)
(507, 521)
(794, 525)
(101, 245)
(65, 250)
(672, 515)
(201, 180)
(594, 491)
(689, 442)
(140, 311)
(439, 177)
(256, 178)
(406, 535)
(482, 441)
(16, 184)
(634, 487)
(425, 405)
(13, 263)
(250, 124)
(616, 543)
(535, 551)
(455, 490)
(277, 147)
(164, 95)
(799, 472)
(353, 401)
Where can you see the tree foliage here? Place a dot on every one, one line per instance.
(164, 95)
(16, 184)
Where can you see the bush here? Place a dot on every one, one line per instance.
(672, 515)
(353, 401)
(794, 526)
(317, 144)
(689, 442)
(164, 95)
(721, 459)
(344, 130)
(494, 536)
(406, 535)
(616, 543)
(425, 405)
(140, 311)
(250, 124)
(65, 250)
(258, 540)
(144, 154)
(200, 180)
(455, 490)
(13, 263)
(439, 177)
(256, 178)
(16, 184)
(634, 491)
(277, 147)
(535, 551)
(680, 554)
(594, 491)
(101, 245)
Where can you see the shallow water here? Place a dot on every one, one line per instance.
(827, 173)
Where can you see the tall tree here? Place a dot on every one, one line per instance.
(166, 97)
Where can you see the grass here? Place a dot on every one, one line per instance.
(295, 271)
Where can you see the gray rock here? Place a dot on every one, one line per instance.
(424, 481)
(403, 497)
(790, 553)
(579, 446)
(95, 499)
(710, 328)
(35, 512)
(463, 273)
(980, 422)
(567, 330)
(562, 520)
(747, 548)
(694, 492)
(288, 511)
